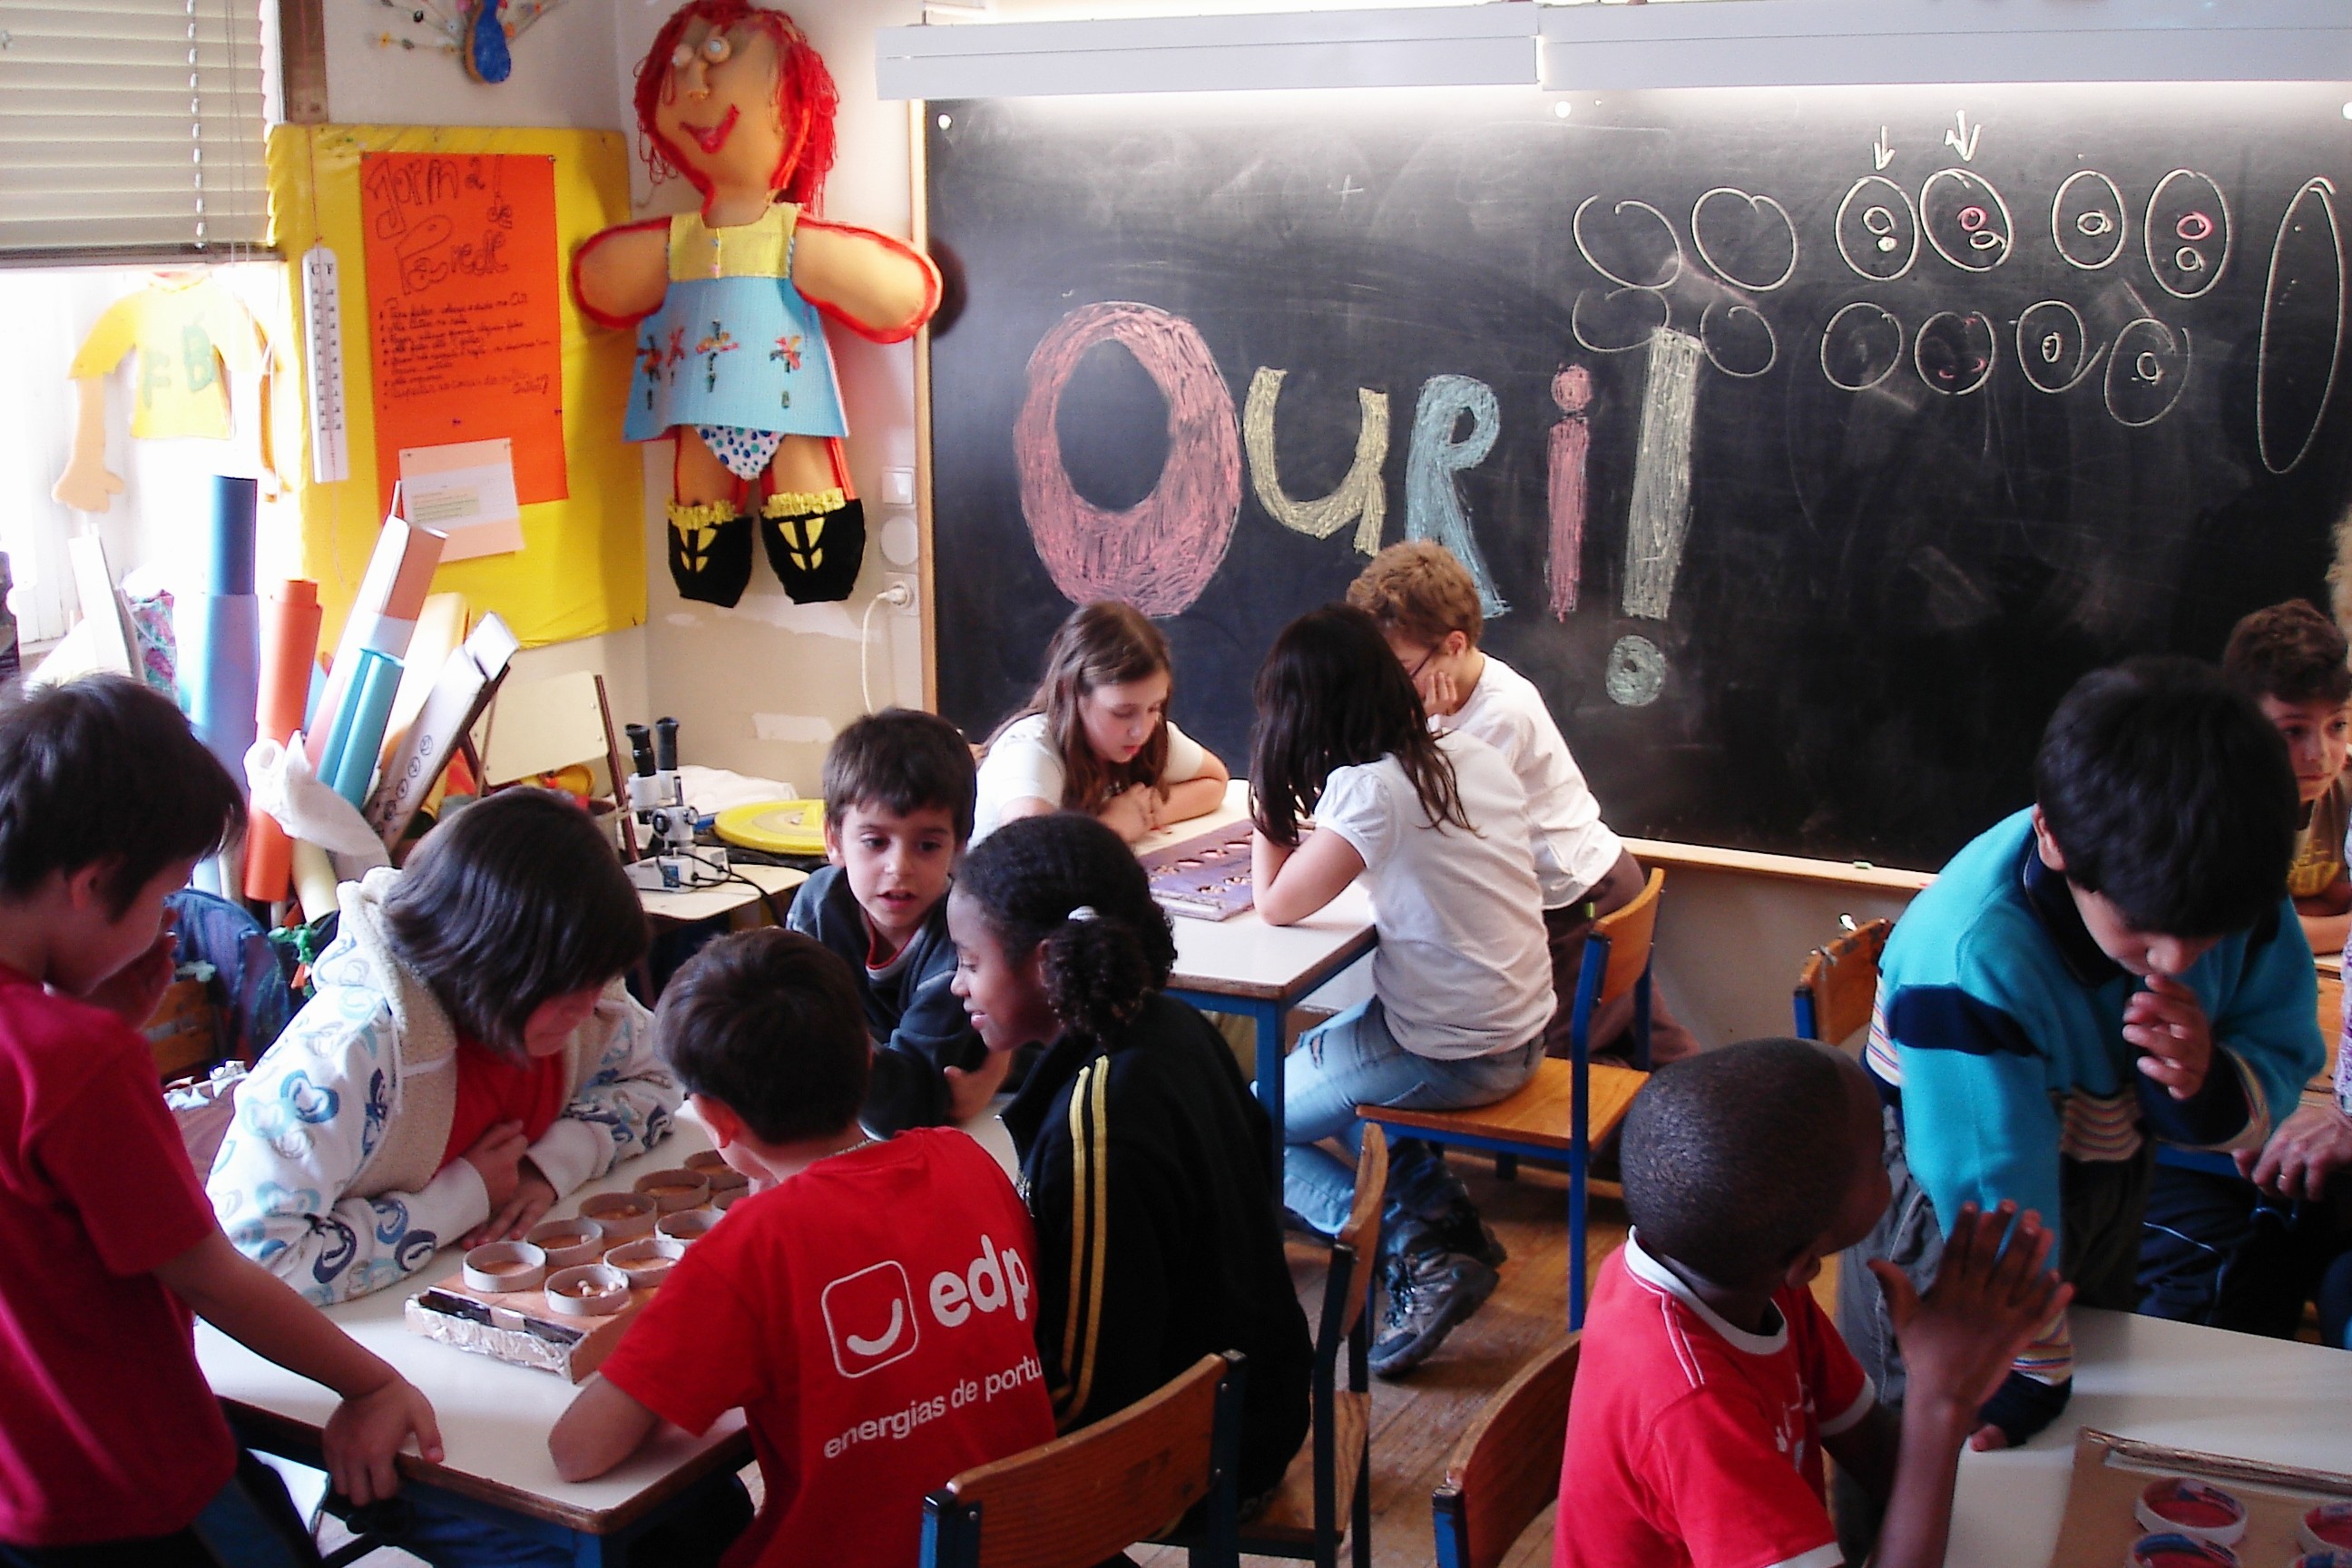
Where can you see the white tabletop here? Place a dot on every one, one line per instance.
(495, 1418)
(1244, 957)
(2274, 1400)
(721, 898)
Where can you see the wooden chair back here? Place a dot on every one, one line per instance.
(1080, 1500)
(1506, 1470)
(1362, 1234)
(1839, 985)
(1628, 932)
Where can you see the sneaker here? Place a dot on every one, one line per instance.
(1464, 1232)
(1429, 1292)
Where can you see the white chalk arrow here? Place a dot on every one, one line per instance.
(1882, 152)
(1963, 138)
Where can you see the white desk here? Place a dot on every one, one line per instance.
(722, 898)
(495, 1418)
(2174, 1383)
(1244, 965)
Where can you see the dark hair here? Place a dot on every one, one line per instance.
(1330, 695)
(2289, 651)
(513, 902)
(903, 761)
(103, 770)
(1735, 1160)
(2170, 796)
(1103, 644)
(1031, 875)
(768, 1023)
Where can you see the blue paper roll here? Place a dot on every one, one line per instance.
(218, 629)
(373, 688)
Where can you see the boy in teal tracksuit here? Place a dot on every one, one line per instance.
(2118, 964)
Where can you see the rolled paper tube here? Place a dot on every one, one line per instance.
(290, 653)
(373, 687)
(383, 614)
(314, 880)
(219, 631)
(229, 563)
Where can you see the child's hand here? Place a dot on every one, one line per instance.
(133, 992)
(532, 1196)
(1439, 695)
(2313, 1144)
(363, 1434)
(497, 1156)
(1131, 812)
(2166, 1021)
(1985, 1306)
(971, 1089)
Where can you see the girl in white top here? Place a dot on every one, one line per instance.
(1437, 828)
(1097, 738)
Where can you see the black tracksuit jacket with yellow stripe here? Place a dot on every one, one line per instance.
(1159, 1240)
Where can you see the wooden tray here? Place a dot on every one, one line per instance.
(2109, 1471)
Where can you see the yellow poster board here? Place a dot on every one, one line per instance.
(582, 569)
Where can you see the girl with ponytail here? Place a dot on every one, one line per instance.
(1437, 828)
(1142, 1152)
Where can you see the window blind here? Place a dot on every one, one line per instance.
(130, 129)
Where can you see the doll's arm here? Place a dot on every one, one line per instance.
(878, 287)
(86, 484)
(619, 275)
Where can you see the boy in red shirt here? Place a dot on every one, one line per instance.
(871, 1308)
(111, 1447)
(1711, 1381)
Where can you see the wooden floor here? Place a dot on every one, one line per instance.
(1416, 1421)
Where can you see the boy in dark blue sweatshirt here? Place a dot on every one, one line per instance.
(897, 811)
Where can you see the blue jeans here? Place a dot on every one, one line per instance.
(1352, 1060)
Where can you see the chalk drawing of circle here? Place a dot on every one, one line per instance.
(2148, 370)
(2054, 346)
(1160, 554)
(1954, 353)
(2087, 221)
(1861, 346)
(1966, 219)
(1630, 238)
(1616, 321)
(1878, 229)
(2303, 328)
(1737, 339)
(1635, 673)
(2187, 233)
(1745, 238)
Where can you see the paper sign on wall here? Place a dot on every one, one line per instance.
(463, 291)
(466, 490)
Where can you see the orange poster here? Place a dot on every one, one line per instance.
(462, 296)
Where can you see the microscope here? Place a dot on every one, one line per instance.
(671, 861)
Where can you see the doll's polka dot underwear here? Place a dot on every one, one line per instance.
(745, 452)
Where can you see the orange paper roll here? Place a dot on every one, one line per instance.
(289, 651)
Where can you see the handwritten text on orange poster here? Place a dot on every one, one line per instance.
(462, 291)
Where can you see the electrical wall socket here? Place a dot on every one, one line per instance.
(913, 604)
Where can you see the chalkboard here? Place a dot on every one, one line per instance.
(1808, 443)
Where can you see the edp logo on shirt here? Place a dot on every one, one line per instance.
(870, 1318)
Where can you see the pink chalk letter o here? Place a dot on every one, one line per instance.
(1160, 554)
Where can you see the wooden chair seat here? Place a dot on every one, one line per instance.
(1289, 1514)
(1540, 1116)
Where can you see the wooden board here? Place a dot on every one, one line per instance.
(2109, 1472)
(1207, 876)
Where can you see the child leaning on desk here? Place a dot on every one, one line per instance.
(468, 1058)
(897, 812)
(1711, 1382)
(111, 1447)
(1437, 828)
(1097, 736)
(2116, 965)
(870, 1307)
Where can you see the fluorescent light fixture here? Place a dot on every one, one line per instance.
(1813, 43)
(1489, 44)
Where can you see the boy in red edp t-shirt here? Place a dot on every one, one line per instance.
(1711, 1381)
(873, 1311)
(111, 1447)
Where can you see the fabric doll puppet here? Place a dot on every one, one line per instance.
(731, 355)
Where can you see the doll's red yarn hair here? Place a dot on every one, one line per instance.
(807, 100)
